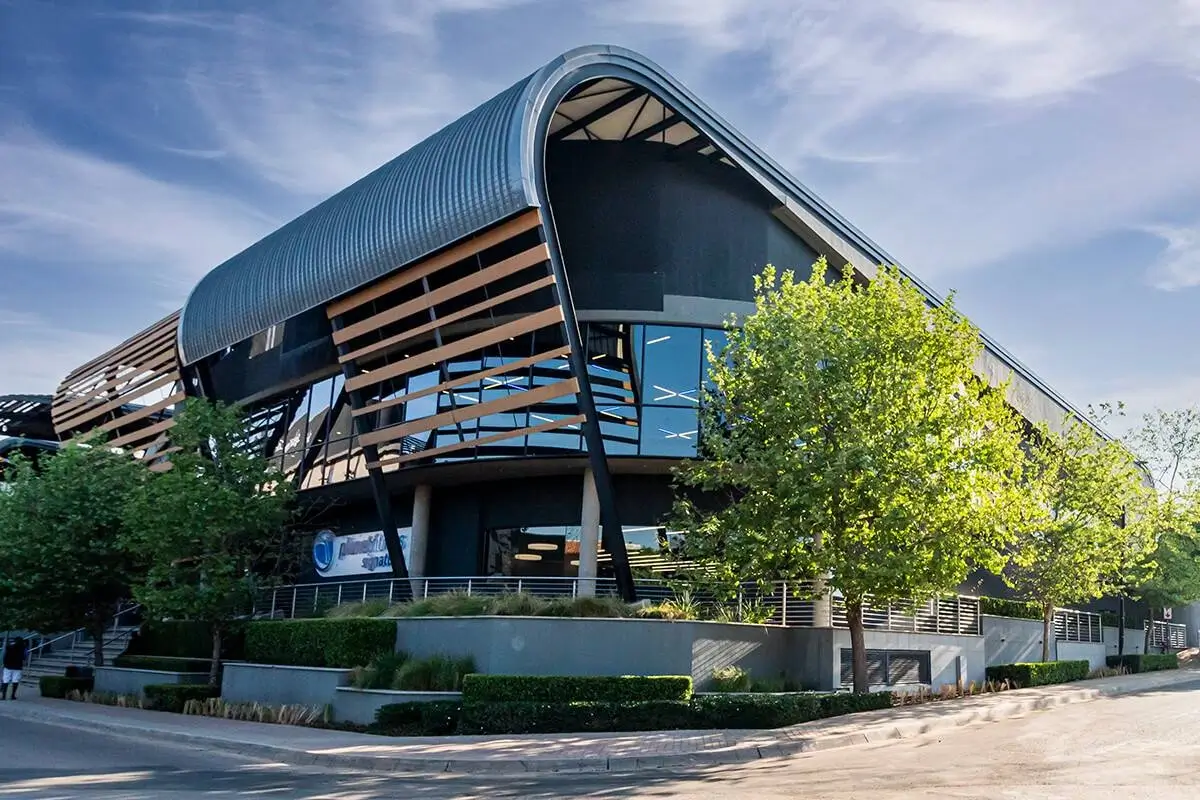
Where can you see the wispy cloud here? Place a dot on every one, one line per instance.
(1178, 266)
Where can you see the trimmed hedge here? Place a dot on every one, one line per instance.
(1040, 673)
(577, 717)
(163, 663)
(702, 712)
(59, 686)
(186, 639)
(582, 689)
(344, 643)
(174, 696)
(437, 718)
(1017, 609)
(1150, 662)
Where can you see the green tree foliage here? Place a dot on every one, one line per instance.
(1086, 520)
(213, 527)
(847, 438)
(61, 528)
(1169, 444)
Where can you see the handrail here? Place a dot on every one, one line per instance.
(39, 649)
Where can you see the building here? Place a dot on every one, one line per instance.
(492, 344)
(25, 428)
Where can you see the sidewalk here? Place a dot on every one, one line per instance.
(569, 752)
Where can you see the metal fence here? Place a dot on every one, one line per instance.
(782, 603)
(1168, 635)
(1071, 625)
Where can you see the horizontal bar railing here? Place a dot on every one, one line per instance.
(781, 603)
(1071, 625)
(1168, 635)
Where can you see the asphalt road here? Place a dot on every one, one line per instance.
(1141, 746)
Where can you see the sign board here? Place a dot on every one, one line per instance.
(356, 554)
(1166, 613)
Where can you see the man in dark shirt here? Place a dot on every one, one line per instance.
(14, 662)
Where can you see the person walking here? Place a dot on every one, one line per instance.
(14, 662)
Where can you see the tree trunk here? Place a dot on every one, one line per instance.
(858, 646)
(1121, 627)
(214, 669)
(1149, 640)
(1047, 629)
(99, 626)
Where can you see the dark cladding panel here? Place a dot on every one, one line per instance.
(636, 223)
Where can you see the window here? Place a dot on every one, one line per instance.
(671, 374)
(889, 667)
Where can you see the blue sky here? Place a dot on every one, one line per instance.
(1039, 158)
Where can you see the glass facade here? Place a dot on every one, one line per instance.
(553, 551)
(647, 382)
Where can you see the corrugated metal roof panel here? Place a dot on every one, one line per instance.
(463, 178)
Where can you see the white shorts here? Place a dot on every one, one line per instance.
(12, 676)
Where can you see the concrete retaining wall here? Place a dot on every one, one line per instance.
(359, 705)
(1135, 641)
(1012, 641)
(123, 680)
(278, 685)
(555, 646)
(1093, 653)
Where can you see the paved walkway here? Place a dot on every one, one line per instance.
(570, 752)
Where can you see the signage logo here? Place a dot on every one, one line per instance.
(354, 554)
(324, 551)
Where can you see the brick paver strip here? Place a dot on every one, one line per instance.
(569, 752)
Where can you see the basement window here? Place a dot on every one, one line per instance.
(889, 667)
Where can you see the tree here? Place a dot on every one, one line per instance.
(61, 529)
(1168, 442)
(1085, 522)
(213, 526)
(847, 439)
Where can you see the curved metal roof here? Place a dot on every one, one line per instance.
(475, 172)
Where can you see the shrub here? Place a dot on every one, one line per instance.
(1039, 673)
(576, 717)
(835, 705)
(186, 639)
(59, 686)
(345, 643)
(586, 607)
(174, 696)
(730, 679)
(563, 689)
(516, 605)
(380, 673)
(434, 674)
(256, 712)
(451, 604)
(1018, 609)
(163, 663)
(774, 685)
(439, 718)
(1149, 662)
(755, 711)
(371, 608)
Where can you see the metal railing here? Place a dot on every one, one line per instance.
(1168, 635)
(69, 642)
(781, 604)
(1071, 625)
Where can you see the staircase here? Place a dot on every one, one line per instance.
(75, 651)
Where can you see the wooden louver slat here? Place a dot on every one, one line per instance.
(446, 352)
(482, 440)
(500, 405)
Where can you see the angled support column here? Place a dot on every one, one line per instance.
(383, 505)
(611, 533)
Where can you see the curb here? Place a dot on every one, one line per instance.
(780, 748)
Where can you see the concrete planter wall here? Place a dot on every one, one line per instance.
(123, 680)
(1135, 641)
(279, 685)
(1092, 652)
(359, 705)
(1013, 641)
(557, 646)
